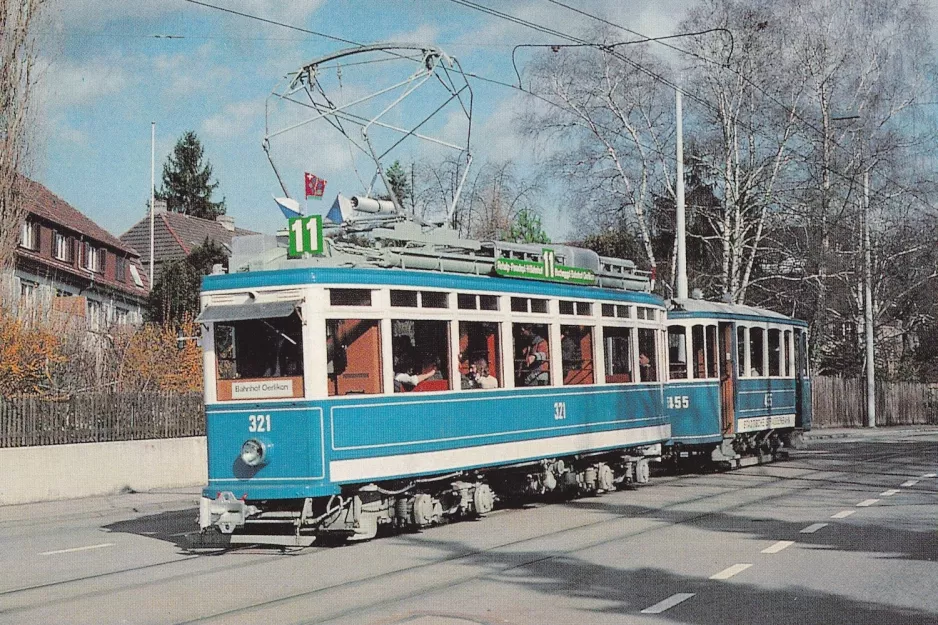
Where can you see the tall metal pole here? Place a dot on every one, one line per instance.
(868, 307)
(152, 191)
(681, 277)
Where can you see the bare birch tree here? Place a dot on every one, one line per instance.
(17, 58)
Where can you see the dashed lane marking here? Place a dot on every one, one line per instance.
(668, 603)
(843, 514)
(813, 528)
(908, 484)
(930, 475)
(866, 503)
(782, 544)
(888, 493)
(736, 569)
(74, 549)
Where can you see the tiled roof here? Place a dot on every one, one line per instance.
(175, 235)
(41, 202)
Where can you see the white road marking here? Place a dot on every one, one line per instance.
(782, 544)
(908, 484)
(930, 475)
(843, 514)
(668, 603)
(813, 528)
(730, 572)
(888, 493)
(866, 503)
(74, 549)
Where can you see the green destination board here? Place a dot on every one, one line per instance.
(305, 235)
(546, 270)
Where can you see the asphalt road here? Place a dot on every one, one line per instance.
(844, 532)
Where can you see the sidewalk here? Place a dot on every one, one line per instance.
(92, 507)
(877, 432)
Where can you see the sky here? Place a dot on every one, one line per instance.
(108, 68)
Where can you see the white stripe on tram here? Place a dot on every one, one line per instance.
(480, 455)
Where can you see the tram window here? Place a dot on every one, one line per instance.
(623, 312)
(350, 297)
(609, 310)
(700, 352)
(647, 355)
(713, 360)
(618, 344)
(421, 355)
(584, 309)
(576, 348)
(645, 313)
(467, 301)
(260, 348)
(479, 355)
(532, 354)
(741, 340)
(353, 353)
(756, 352)
(524, 304)
(433, 299)
(775, 352)
(567, 307)
(677, 353)
(404, 298)
(640, 312)
(786, 354)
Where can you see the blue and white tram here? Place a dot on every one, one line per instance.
(738, 385)
(342, 398)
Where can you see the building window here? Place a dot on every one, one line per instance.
(95, 315)
(120, 269)
(28, 289)
(135, 274)
(121, 316)
(62, 247)
(29, 235)
(93, 258)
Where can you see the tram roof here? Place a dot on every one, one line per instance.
(381, 277)
(698, 309)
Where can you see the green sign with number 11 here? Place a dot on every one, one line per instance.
(305, 235)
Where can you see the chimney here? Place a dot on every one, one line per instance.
(159, 206)
(227, 221)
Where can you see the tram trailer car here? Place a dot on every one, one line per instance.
(738, 387)
(341, 399)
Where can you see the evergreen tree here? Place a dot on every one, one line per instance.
(397, 178)
(175, 294)
(187, 181)
(526, 228)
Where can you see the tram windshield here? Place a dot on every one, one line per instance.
(259, 348)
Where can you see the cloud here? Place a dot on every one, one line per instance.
(234, 119)
(425, 33)
(67, 84)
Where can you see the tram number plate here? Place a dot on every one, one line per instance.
(676, 402)
(560, 410)
(259, 423)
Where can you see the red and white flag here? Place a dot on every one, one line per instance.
(315, 187)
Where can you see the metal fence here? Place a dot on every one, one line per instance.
(841, 402)
(100, 417)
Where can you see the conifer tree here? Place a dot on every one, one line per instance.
(187, 180)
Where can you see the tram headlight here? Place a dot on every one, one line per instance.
(253, 453)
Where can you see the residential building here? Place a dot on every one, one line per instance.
(67, 262)
(175, 235)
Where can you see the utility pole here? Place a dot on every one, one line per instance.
(868, 307)
(152, 191)
(681, 277)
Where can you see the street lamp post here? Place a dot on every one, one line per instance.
(868, 307)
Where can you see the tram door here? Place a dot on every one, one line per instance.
(803, 411)
(727, 379)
